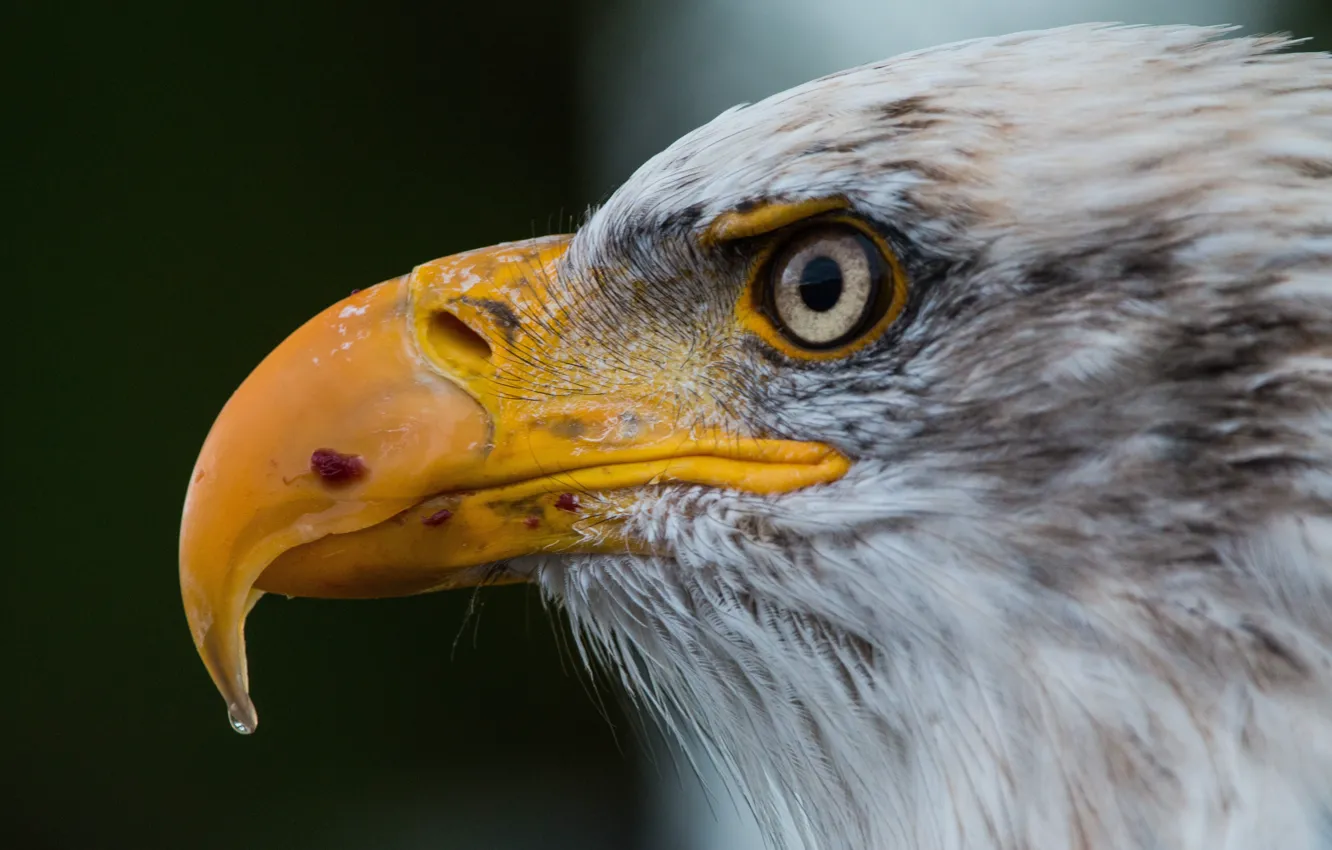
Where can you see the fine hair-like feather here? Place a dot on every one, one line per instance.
(1076, 590)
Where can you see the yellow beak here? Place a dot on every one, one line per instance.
(413, 433)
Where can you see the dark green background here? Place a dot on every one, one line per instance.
(191, 182)
(200, 180)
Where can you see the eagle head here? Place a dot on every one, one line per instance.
(945, 445)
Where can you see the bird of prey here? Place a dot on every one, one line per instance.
(946, 444)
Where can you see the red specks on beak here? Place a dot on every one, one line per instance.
(439, 517)
(335, 468)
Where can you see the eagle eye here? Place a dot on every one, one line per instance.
(829, 286)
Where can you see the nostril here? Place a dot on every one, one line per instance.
(453, 340)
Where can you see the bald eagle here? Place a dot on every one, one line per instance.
(945, 443)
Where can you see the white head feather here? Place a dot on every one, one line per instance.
(1077, 589)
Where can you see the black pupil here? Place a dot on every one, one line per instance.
(821, 284)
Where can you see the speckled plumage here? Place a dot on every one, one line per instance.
(1076, 591)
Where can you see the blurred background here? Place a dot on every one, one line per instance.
(191, 182)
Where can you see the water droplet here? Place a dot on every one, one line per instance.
(238, 725)
(242, 719)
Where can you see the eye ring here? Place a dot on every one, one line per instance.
(826, 290)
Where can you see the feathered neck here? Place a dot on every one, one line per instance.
(942, 705)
